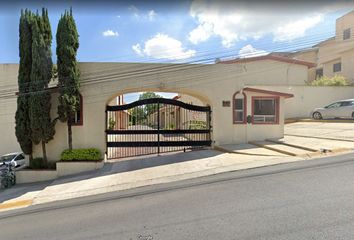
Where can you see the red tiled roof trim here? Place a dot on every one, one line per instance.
(269, 57)
(280, 94)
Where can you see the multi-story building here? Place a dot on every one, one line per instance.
(334, 56)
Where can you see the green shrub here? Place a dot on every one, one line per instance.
(84, 154)
(111, 124)
(337, 80)
(39, 163)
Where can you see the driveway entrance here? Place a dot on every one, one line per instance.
(156, 125)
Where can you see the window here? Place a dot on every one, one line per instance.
(78, 116)
(346, 34)
(347, 104)
(265, 109)
(337, 67)
(319, 72)
(334, 105)
(20, 157)
(239, 108)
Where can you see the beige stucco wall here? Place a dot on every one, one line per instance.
(334, 49)
(344, 22)
(241, 133)
(190, 100)
(348, 64)
(8, 104)
(30, 176)
(101, 82)
(308, 56)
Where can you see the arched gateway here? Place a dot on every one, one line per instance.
(156, 125)
(258, 115)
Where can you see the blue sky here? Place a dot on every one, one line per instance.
(184, 31)
(180, 31)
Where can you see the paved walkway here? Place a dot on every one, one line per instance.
(143, 171)
(118, 176)
(125, 175)
(333, 130)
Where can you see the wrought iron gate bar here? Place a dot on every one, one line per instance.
(162, 144)
(156, 125)
(158, 100)
(177, 131)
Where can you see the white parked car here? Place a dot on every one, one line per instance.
(18, 159)
(340, 109)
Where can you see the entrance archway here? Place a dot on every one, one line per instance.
(156, 125)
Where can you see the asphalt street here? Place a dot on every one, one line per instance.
(304, 200)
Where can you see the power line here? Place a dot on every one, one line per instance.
(208, 60)
(145, 71)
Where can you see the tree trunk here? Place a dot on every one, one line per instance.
(44, 153)
(70, 140)
(30, 158)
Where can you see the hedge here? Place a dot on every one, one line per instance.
(39, 163)
(84, 154)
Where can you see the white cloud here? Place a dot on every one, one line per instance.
(137, 49)
(151, 15)
(243, 20)
(135, 11)
(296, 29)
(139, 15)
(201, 33)
(250, 51)
(161, 46)
(110, 33)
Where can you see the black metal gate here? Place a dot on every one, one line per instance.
(156, 125)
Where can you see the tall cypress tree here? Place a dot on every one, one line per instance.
(68, 71)
(42, 127)
(22, 119)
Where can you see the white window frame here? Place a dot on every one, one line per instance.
(266, 119)
(239, 96)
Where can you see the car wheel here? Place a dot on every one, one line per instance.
(317, 115)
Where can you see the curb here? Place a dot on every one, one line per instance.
(221, 149)
(293, 145)
(335, 151)
(273, 149)
(16, 204)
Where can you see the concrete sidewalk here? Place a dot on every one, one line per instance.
(149, 170)
(139, 172)
(198, 164)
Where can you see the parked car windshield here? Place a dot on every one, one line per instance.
(7, 158)
(333, 105)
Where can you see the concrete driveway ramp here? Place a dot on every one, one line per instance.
(331, 130)
(281, 148)
(250, 149)
(319, 144)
